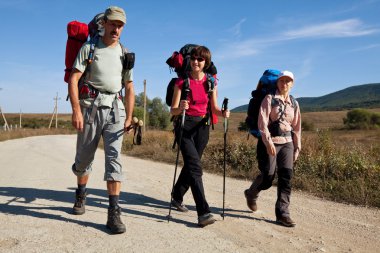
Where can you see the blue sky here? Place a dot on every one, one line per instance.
(328, 45)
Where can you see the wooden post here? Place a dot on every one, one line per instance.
(55, 112)
(6, 127)
(144, 106)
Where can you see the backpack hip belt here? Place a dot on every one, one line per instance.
(95, 106)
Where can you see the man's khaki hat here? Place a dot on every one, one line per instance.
(115, 13)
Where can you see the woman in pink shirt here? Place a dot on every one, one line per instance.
(280, 128)
(195, 132)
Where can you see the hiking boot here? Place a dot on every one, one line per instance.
(251, 200)
(114, 222)
(80, 201)
(180, 207)
(206, 219)
(286, 221)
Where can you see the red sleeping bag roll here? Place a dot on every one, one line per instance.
(77, 35)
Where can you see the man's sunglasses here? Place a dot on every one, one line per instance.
(199, 59)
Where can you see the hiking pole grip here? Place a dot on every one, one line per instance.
(225, 104)
(184, 95)
(225, 108)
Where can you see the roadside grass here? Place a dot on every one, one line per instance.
(326, 168)
(336, 164)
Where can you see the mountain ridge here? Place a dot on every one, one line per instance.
(358, 96)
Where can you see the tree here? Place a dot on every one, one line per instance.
(159, 116)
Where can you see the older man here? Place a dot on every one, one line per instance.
(103, 114)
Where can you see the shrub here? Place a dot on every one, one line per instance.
(347, 174)
(307, 126)
(243, 126)
(361, 119)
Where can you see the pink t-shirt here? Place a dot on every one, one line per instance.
(198, 96)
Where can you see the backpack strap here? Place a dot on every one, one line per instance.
(275, 102)
(294, 102)
(210, 90)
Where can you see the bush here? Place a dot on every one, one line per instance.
(243, 126)
(307, 126)
(347, 174)
(361, 119)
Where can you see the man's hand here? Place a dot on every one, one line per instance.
(77, 120)
(128, 127)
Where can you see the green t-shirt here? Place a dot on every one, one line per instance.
(106, 73)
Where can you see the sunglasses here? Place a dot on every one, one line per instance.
(199, 59)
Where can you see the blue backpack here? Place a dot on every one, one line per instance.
(267, 85)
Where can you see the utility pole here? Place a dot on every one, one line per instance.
(55, 112)
(6, 127)
(20, 119)
(144, 106)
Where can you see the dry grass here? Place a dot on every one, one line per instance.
(342, 165)
(23, 133)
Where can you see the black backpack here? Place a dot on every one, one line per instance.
(180, 63)
(268, 86)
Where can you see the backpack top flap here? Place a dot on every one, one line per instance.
(96, 26)
(269, 80)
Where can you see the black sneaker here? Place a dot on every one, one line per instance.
(114, 222)
(80, 201)
(180, 207)
(206, 219)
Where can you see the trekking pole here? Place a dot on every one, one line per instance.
(224, 108)
(184, 94)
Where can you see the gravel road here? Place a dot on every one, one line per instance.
(37, 193)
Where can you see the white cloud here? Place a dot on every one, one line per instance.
(339, 29)
(366, 48)
(236, 29)
(250, 47)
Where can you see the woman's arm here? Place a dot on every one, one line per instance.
(214, 106)
(178, 106)
(263, 122)
(296, 126)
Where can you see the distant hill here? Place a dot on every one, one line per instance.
(360, 96)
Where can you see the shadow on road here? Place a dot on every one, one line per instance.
(24, 201)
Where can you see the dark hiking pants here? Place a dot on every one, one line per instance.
(194, 140)
(282, 163)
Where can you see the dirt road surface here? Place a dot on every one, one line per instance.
(37, 193)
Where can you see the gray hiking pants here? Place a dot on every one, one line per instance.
(111, 128)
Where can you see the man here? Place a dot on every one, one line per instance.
(103, 115)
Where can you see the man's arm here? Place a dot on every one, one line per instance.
(77, 117)
(129, 103)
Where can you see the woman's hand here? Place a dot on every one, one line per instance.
(184, 105)
(226, 113)
(271, 149)
(296, 154)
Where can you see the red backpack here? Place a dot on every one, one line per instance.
(77, 35)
